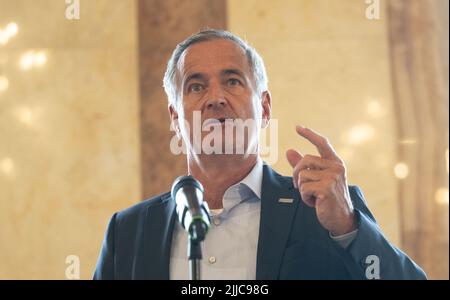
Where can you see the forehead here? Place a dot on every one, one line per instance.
(210, 56)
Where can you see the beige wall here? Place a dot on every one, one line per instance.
(69, 148)
(328, 69)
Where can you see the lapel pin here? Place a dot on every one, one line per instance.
(286, 200)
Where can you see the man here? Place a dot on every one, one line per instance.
(265, 226)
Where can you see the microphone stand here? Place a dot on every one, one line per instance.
(197, 234)
(195, 256)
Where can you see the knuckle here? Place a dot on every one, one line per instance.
(336, 178)
(324, 140)
(340, 161)
(340, 168)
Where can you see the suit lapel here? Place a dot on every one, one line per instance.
(154, 257)
(276, 222)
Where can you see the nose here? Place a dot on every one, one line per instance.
(216, 97)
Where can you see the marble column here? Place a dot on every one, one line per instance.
(418, 31)
(162, 25)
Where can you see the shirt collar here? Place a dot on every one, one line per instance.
(246, 189)
(254, 179)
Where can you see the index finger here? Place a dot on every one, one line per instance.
(323, 146)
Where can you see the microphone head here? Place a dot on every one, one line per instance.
(184, 181)
(192, 211)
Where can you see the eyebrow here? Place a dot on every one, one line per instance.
(233, 72)
(202, 76)
(199, 76)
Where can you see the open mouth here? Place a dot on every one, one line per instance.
(209, 123)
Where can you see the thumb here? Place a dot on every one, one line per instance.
(293, 157)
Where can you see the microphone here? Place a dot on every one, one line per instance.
(193, 212)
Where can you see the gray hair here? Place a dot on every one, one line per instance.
(254, 59)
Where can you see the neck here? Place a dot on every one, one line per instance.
(218, 173)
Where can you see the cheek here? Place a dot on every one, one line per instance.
(247, 105)
(255, 108)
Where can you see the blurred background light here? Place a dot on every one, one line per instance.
(374, 108)
(12, 29)
(40, 59)
(32, 59)
(7, 166)
(408, 141)
(401, 170)
(8, 32)
(360, 134)
(4, 83)
(26, 62)
(441, 196)
(26, 115)
(3, 38)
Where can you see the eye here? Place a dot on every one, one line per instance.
(233, 82)
(195, 88)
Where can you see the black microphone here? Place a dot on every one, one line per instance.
(193, 212)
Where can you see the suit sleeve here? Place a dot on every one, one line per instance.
(372, 256)
(105, 264)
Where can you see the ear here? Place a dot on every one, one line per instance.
(266, 103)
(174, 119)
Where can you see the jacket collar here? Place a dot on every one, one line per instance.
(276, 222)
(153, 257)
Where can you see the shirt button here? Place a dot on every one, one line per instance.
(216, 221)
(212, 260)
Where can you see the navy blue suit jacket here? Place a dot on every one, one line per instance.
(291, 245)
